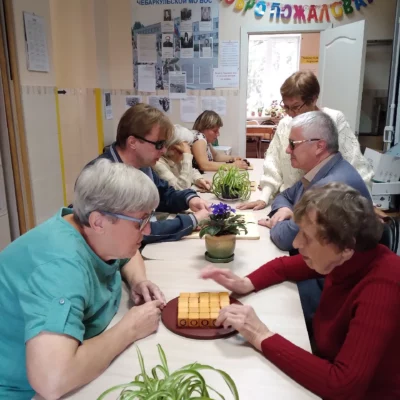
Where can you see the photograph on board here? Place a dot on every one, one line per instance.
(162, 103)
(205, 14)
(107, 98)
(177, 85)
(186, 41)
(167, 14)
(107, 106)
(205, 19)
(167, 46)
(206, 47)
(159, 79)
(186, 19)
(131, 101)
(167, 24)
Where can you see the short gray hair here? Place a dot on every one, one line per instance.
(113, 187)
(180, 134)
(344, 217)
(318, 125)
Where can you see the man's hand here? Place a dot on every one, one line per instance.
(281, 215)
(203, 184)
(227, 279)
(143, 320)
(252, 205)
(197, 204)
(245, 321)
(201, 215)
(146, 291)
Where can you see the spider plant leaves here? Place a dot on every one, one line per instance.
(231, 182)
(186, 383)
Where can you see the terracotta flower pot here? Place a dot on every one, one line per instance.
(220, 247)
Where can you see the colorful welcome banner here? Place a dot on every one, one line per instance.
(300, 13)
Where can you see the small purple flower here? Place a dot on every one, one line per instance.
(222, 209)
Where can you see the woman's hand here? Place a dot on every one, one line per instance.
(183, 147)
(142, 321)
(146, 291)
(203, 184)
(245, 321)
(240, 164)
(252, 205)
(227, 279)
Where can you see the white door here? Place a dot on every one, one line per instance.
(341, 70)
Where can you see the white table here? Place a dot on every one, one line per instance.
(175, 268)
(248, 252)
(256, 378)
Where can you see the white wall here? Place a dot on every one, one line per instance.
(379, 17)
(40, 117)
(107, 61)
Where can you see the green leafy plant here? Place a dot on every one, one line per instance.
(183, 384)
(229, 182)
(222, 221)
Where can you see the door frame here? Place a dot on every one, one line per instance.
(15, 121)
(245, 31)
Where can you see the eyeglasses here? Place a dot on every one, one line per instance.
(142, 222)
(160, 144)
(294, 109)
(292, 143)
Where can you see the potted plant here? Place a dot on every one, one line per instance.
(274, 108)
(184, 383)
(220, 231)
(260, 110)
(231, 183)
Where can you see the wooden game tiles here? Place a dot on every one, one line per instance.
(200, 310)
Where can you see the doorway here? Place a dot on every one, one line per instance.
(271, 59)
(283, 43)
(341, 82)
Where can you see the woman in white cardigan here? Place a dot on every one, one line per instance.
(299, 95)
(175, 166)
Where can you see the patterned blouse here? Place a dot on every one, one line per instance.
(200, 136)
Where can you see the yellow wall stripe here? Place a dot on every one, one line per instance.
(99, 119)
(60, 146)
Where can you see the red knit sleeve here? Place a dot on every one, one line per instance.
(376, 321)
(280, 270)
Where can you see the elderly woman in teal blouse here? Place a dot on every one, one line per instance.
(61, 286)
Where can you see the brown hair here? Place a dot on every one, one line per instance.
(139, 120)
(344, 217)
(207, 120)
(304, 84)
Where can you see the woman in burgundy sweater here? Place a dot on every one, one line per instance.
(357, 324)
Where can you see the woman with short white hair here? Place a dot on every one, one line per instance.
(176, 165)
(61, 286)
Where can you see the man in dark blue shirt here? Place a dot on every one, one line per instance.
(141, 136)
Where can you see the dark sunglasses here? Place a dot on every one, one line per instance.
(160, 144)
(292, 143)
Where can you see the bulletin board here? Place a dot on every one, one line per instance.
(174, 40)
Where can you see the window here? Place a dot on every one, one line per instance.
(272, 58)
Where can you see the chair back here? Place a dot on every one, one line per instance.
(390, 235)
